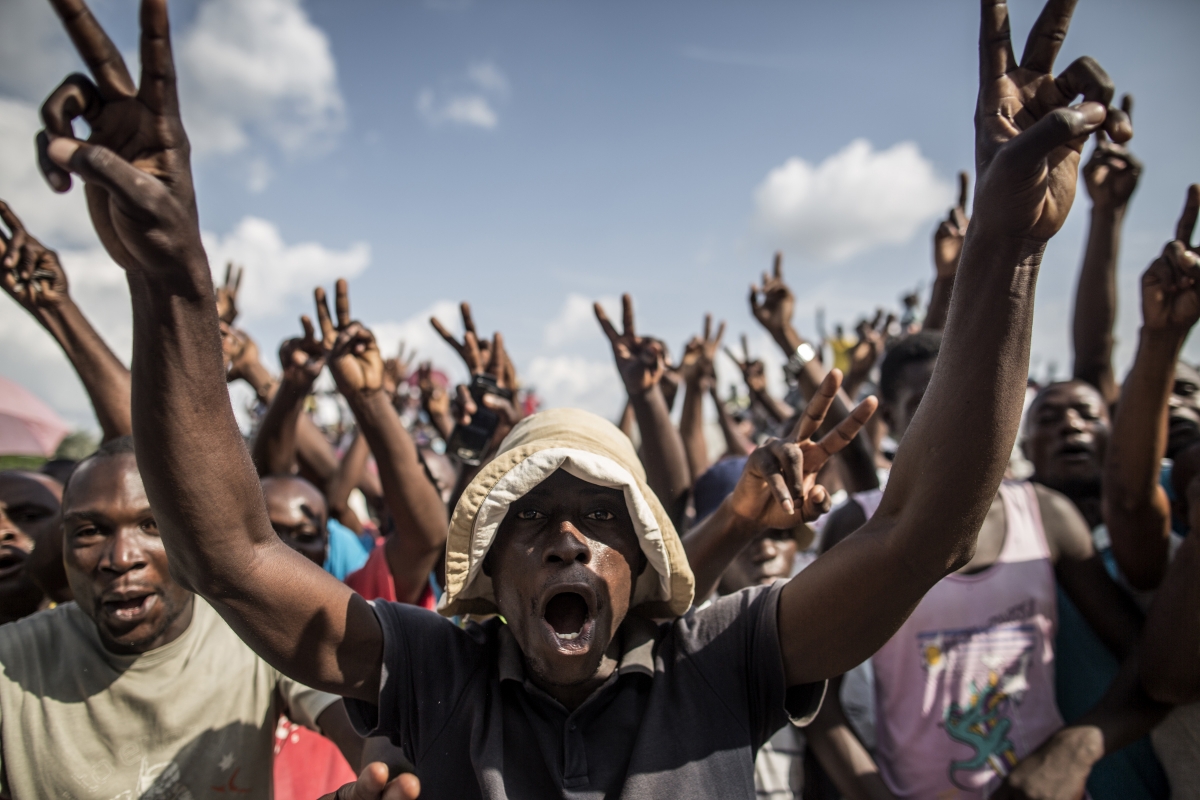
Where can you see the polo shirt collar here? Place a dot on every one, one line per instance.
(638, 638)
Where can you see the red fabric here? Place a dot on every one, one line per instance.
(374, 581)
(307, 765)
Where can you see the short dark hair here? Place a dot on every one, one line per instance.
(919, 347)
(122, 445)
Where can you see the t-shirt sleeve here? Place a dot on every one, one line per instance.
(734, 643)
(427, 663)
(302, 704)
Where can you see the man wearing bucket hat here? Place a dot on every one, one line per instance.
(580, 696)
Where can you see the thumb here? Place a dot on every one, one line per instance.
(1058, 128)
(134, 189)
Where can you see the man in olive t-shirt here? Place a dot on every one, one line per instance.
(138, 690)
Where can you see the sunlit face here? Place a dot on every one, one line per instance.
(298, 514)
(1066, 433)
(30, 542)
(115, 560)
(563, 567)
(767, 559)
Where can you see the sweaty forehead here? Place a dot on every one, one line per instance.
(1069, 394)
(111, 481)
(287, 496)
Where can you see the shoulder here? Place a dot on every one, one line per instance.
(744, 610)
(1066, 530)
(32, 645)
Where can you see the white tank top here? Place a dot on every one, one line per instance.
(965, 689)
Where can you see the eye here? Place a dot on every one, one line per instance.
(529, 513)
(150, 526)
(27, 514)
(600, 515)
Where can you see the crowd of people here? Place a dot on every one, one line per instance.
(919, 574)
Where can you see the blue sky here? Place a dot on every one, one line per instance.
(530, 157)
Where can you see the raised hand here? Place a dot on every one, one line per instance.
(396, 369)
(1112, 173)
(29, 271)
(774, 310)
(753, 371)
(352, 354)
(136, 161)
(1171, 284)
(472, 350)
(302, 358)
(227, 294)
(699, 354)
(1028, 137)
(948, 239)
(780, 477)
(240, 352)
(640, 359)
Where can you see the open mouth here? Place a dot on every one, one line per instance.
(568, 615)
(130, 607)
(1075, 451)
(11, 562)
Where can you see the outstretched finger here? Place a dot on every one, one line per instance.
(627, 315)
(97, 50)
(237, 280)
(157, 88)
(964, 186)
(306, 324)
(498, 363)
(468, 321)
(746, 348)
(707, 327)
(341, 301)
(995, 42)
(605, 324)
(1059, 128)
(842, 435)
(733, 357)
(328, 334)
(772, 472)
(818, 406)
(1187, 221)
(777, 266)
(754, 304)
(720, 332)
(228, 274)
(1047, 35)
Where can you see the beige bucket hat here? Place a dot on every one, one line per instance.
(592, 449)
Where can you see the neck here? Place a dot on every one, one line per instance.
(1085, 496)
(572, 695)
(174, 629)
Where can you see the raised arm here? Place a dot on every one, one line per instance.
(198, 474)
(302, 359)
(851, 600)
(947, 249)
(1110, 176)
(736, 442)
(1136, 508)
(699, 376)
(640, 361)
(755, 376)
(345, 477)
(33, 276)
(412, 499)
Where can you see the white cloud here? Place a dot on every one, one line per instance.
(469, 100)
(418, 334)
(258, 67)
(34, 52)
(278, 272)
(577, 320)
(851, 202)
(577, 382)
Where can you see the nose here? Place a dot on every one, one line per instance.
(123, 551)
(567, 545)
(769, 548)
(1073, 420)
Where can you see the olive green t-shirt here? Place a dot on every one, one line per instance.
(192, 719)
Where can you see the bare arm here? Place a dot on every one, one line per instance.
(736, 443)
(699, 376)
(1136, 508)
(412, 499)
(302, 360)
(947, 249)
(842, 755)
(851, 600)
(337, 491)
(1110, 176)
(336, 726)
(33, 276)
(198, 474)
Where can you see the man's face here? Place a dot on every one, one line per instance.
(115, 560)
(898, 411)
(1066, 433)
(30, 538)
(298, 514)
(564, 565)
(1184, 420)
(767, 559)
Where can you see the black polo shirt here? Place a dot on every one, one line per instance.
(682, 716)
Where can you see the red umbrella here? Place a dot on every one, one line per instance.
(28, 427)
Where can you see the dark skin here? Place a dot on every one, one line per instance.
(1067, 432)
(1110, 176)
(302, 360)
(30, 538)
(641, 362)
(32, 275)
(298, 514)
(699, 374)
(831, 616)
(755, 375)
(227, 293)
(947, 249)
(767, 559)
(566, 536)
(1136, 507)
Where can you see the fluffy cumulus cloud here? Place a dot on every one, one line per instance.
(418, 335)
(468, 100)
(576, 381)
(279, 273)
(34, 52)
(258, 67)
(857, 199)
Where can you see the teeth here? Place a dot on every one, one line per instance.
(569, 636)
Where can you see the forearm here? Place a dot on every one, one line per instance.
(777, 409)
(104, 377)
(345, 477)
(1124, 714)
(842, 755)
(336, 726)
(1096, 302)
(1135, 507)
(736, 443)
(662, 451)
(939, 303)
(274, 450)
(1170, 651)
(691, 429)
(956, 450)
(712, 545)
